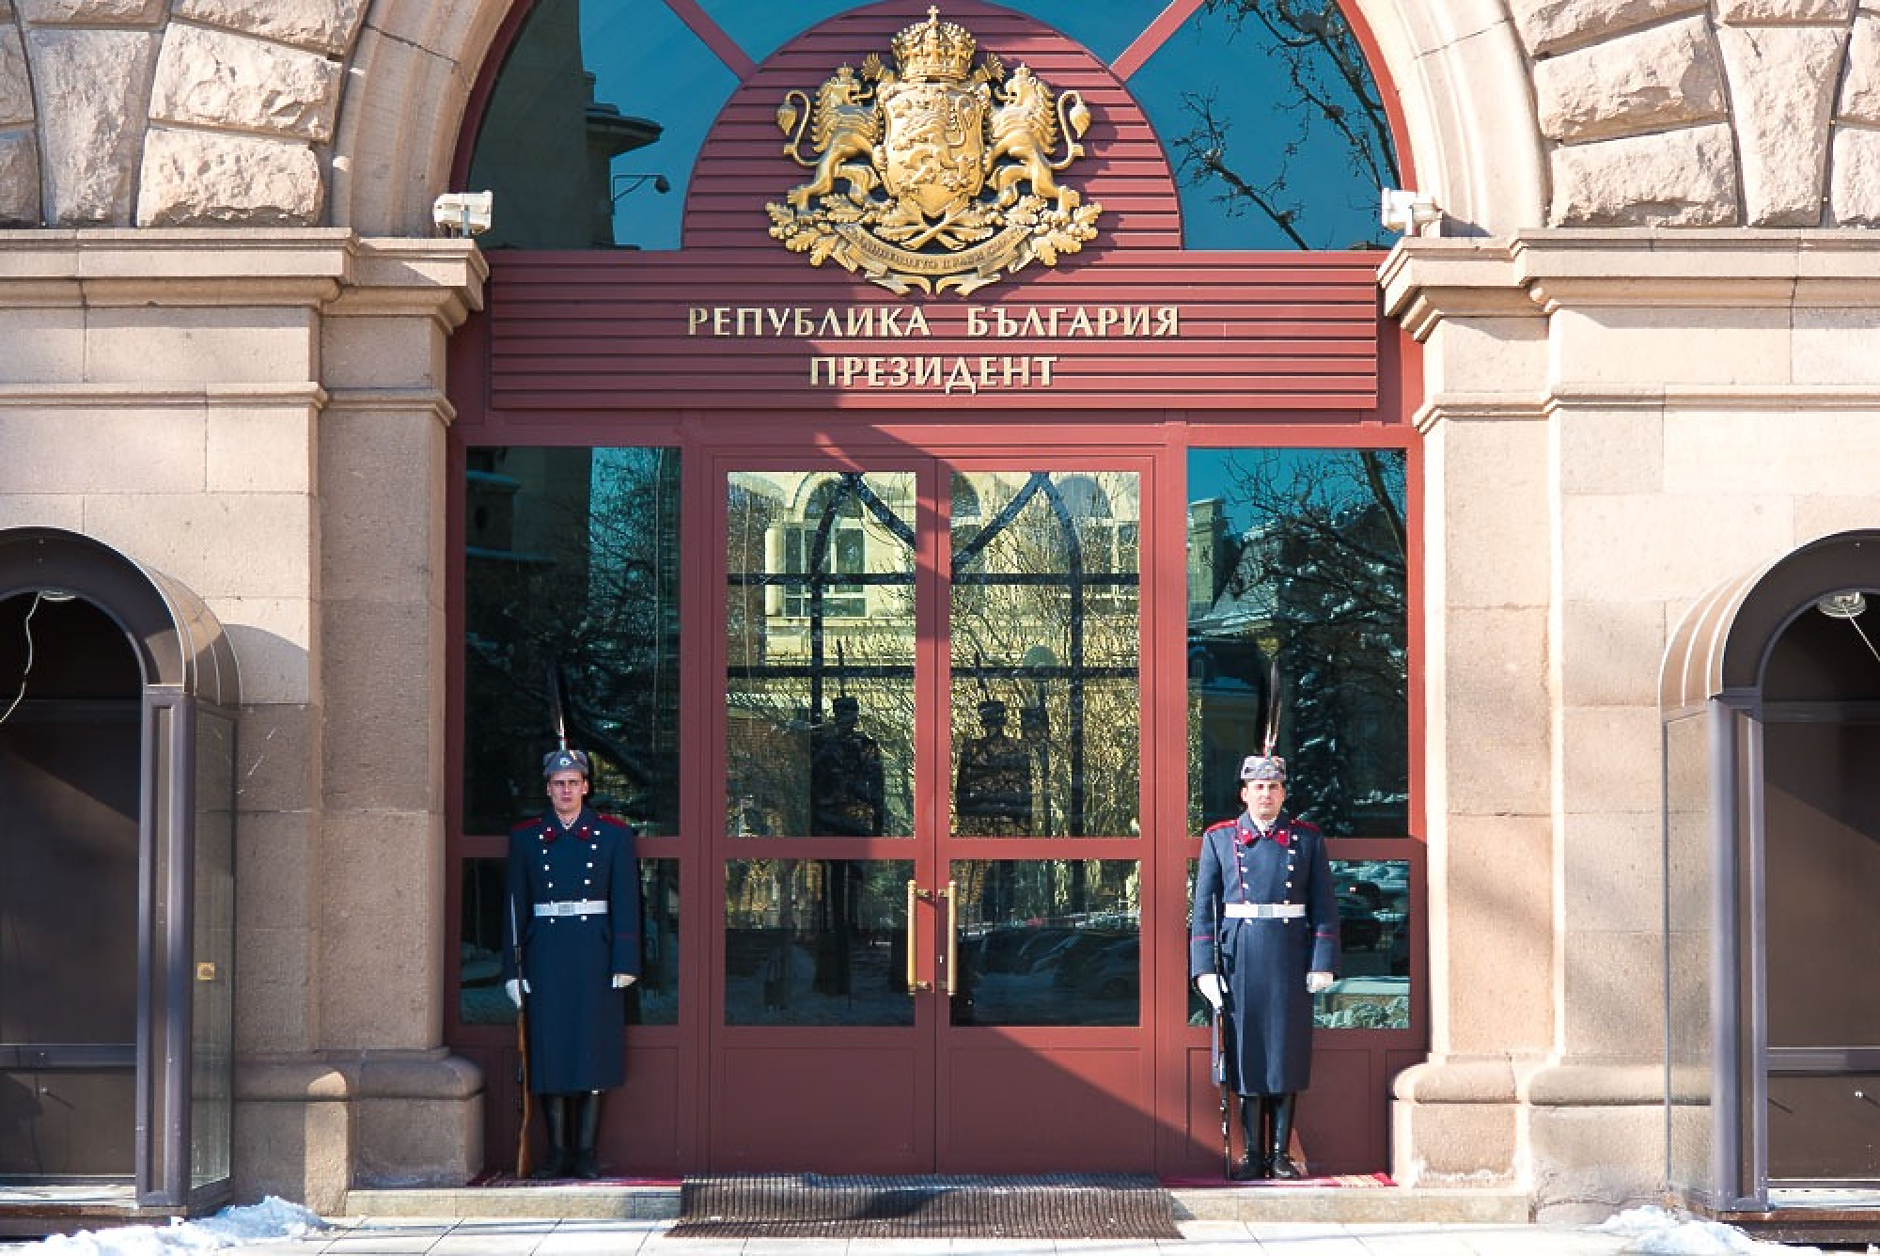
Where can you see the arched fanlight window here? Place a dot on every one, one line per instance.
(1271, 118)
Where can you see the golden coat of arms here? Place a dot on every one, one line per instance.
(933, 173)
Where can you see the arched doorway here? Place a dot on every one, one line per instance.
(1771, 703)
(117, 731)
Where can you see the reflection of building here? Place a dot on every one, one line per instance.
(557, 141)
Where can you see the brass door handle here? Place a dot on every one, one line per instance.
(914, 894)
(952, 896)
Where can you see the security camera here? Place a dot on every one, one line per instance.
(463, 213)
(1407, 212)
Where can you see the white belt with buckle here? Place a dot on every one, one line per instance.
(574, 907)
(1264, 911)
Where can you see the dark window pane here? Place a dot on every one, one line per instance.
(571, 584)
(1048, 942)
(817, 942)
(1373, 986)
(1297, 557)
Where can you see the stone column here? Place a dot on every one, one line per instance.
(1486, 601)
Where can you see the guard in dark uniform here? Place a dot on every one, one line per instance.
(574, 892)
(993, 785)
(1263, 940)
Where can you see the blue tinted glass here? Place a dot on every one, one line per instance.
(1273, 147)
(1272, 122)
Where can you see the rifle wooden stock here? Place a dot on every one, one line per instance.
(525, 1161)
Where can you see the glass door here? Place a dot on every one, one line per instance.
(817, 1008)
(1043, 1059)
(931, 847)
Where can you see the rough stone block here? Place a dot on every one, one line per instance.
(1611, 651)
(1664, 77)
(1782, 87)
(1742, 12)
(1613, 878)
(1546, 26)
(16, 85)
(1676, 179)
(1617, 450)
(1854, 187)
(328, 25)
(220, 79)
(106, 451)
(91, 89)
(91, 12)
(19, 179)
(209, 179)
(1860, 86)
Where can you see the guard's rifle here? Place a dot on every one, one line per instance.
(1219, 1044)
(525, 1161)
(525, 1102)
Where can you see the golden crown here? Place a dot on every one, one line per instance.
(934, 49)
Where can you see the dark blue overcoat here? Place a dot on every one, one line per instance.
(576, 1017)
(1265, 962)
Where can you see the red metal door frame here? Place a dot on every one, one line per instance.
(675, 1077)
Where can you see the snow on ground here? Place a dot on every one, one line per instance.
(1656, 1232)
(272, 1218)
(1647, 1231)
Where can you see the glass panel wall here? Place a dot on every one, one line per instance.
(571, 608)
(1048, 942)
(1691, 960)
(819, 647)
(1046, 645)
(1297, 567)
(816, 942)
(212, 1004)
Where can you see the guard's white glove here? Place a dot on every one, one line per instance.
(1317, 983)
(623, 980)
(515, 989)
(1212, 989)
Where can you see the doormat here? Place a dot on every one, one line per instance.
(810, 1205)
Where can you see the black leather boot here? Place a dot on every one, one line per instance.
(1283, 1166)
(1252, 1166)
(555, 1116)
(587, 1128)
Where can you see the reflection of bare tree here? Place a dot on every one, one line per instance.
(1314, 573)
(573, 566)
(1330, 85)
(1045, 619)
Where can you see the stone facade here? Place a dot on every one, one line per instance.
(217, 259)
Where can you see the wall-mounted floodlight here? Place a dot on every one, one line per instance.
(463, 213)
(625, 183)
(1407, 212)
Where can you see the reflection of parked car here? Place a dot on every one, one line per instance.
(1358, 926)
(1112, 972)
